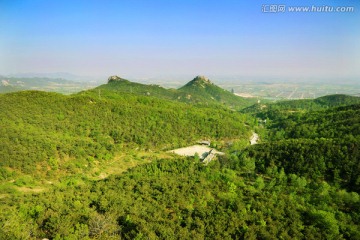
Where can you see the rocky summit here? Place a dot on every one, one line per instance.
(201, 79)
(114, 78)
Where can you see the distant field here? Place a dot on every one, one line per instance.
(291, 90)
(274, 90)
(44, 84)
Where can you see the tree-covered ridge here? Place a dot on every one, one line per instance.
(320, 145)
(40, 130)
(198, 91)
(120, 85)
(339, 122)
(303, 104)
(337, 100)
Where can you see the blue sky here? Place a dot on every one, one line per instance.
(173, 37)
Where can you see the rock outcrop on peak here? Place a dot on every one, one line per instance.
(114, 78)
(200, 78)
(199, 81)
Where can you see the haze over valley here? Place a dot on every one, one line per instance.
(271, 89)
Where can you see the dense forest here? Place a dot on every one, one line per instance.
(40, 130)
(182, 199)
(300, 182)
(272, 109)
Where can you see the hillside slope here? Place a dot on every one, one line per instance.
(320, 103)
(198, 91)
(316, 144)
(201, 89)
(40, 130)
(120, 85)
(293, 188)
(301, 182)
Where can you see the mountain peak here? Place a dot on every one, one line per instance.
(115, 78)
(200, 78)
(200, 81)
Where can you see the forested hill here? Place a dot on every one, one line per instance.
(120, 85)
(41, 130)
(316, 144)
(337, 100)
(203, 90)
(198, 91)
(304, 104)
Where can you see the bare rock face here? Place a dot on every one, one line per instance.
(114, 79)
(200, 81)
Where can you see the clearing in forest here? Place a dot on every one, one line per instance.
(201, 150)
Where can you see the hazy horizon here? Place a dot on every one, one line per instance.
(140, 39)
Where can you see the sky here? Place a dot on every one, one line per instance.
(179, 37)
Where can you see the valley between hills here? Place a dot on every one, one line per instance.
(96, 164)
